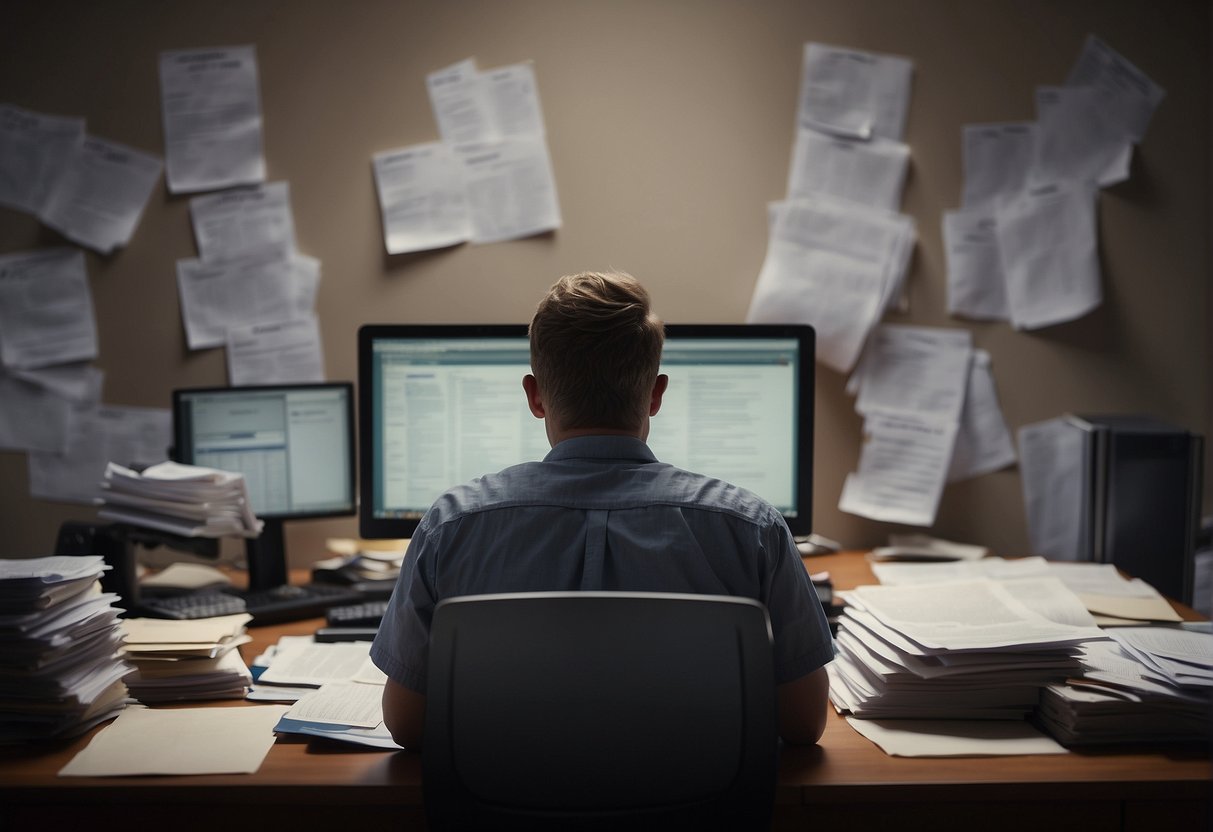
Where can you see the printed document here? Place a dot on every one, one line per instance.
(341, 703)
(215, 296)
(1078, 138)
(511, 189)
(918, 369)
(32, 419)
(179, 741)
(97, 436)
(306, 663)
(1049, 251)
(211, 106)
(46, 309)
(244, 222)
(461, 104)
(976, 286)
(983, 443)
(275, 353)
(514, 100)
(422, 198)
(1135, 96)
(852, 93)
(102, 193)
(76, 382)
(871, 173)
(35, 149)
(997, 159)
(902, 469)
(834, 265)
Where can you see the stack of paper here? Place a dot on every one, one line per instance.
(184, 499)
(1154, 684)
(60, 673)
(180, 661)
(336, 690)
(975, 649)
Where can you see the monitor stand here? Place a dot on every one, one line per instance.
(266, 555)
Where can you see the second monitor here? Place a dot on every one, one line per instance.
(442, 404)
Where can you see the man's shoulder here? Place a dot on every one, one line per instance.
(702, 491)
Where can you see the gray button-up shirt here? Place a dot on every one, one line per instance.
(601, 513)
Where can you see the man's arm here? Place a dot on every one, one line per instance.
(404, 714)
(803, 706)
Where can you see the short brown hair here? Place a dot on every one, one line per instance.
(595, 350)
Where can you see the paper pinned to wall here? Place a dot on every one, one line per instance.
(98, 435)
(983, 443)
(34, 151)
(32, 418)
(215, 296)
(46, 309)
(1049, 253)
(997, 159)
(244, 222)
(422, 198)
(1134, 95)
(75, 382)
(976, 286)
(853, 93)
(916, 369)
(511, 189)
(100, 197)
(275, 353)
(1051, 471)
(461, 103)
(871, 173)
(211, 106)
(1078, 137)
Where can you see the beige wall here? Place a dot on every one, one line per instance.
(670, 127)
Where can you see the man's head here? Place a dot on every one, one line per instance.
(595, 349)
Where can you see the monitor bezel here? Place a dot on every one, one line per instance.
(373, 528)
(179, 429)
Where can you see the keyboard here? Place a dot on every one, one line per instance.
(267, 606)
(364, 614)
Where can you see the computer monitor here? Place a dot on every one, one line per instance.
(293, 443)
(442, 404)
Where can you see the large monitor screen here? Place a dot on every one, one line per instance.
(442, 404)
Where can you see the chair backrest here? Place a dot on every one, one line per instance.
(600, 710)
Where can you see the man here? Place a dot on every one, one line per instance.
(601, 513)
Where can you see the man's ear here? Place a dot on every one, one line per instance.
(659, 387)
(533, 398)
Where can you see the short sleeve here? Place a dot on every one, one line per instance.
(401, 648)
(798, 622)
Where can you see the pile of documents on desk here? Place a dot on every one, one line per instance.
(336, 690)
(60, 670)
(1150, 684)
(179, 661)
(967, 649)
(188, 500)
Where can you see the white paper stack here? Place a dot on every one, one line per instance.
(60, 669)
(179, 661)
(973, 649)
(1153, 684)
(188, 500)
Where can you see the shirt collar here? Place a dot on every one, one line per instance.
(601, 447)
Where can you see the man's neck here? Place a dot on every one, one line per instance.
(557, 437)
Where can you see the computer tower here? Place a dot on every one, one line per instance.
(1141, 500)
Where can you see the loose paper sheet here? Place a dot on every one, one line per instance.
(1078, 138)
(1048, 248)
(31, 418)
(514, 100)
(918, 369)
(98, 435)
(100, 197)
(853, 93)
(461, 104)
(212, 118)
(46, 309)
(179, 741)
(75, 382)
(275, 353)
(245, 222)
(955, 737)
(871, 173)
(341, 703)
(422, 198)
(215, 296)
(997, 161)
(299, 663)
(902, 469)
(34, 152)
(1135, 96)
(976, 286)
(511, 189)
(983, 443)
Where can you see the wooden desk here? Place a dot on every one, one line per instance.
(843, 783)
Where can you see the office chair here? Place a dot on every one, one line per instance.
(600, 710)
